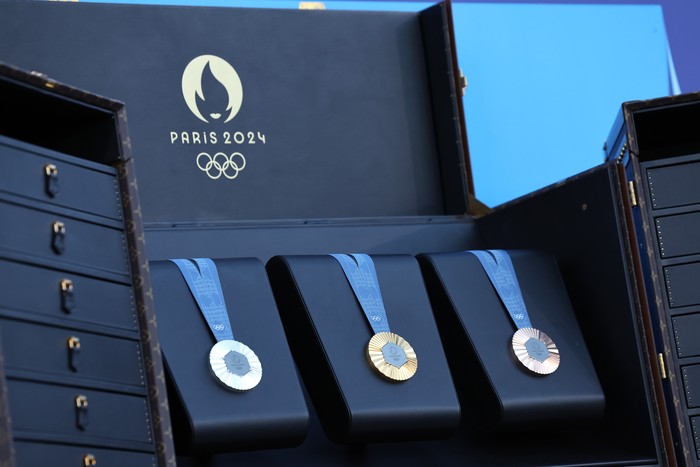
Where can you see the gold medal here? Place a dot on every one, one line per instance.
(536, 351)
(392, 356)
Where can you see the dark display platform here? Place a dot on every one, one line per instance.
(328, 333)
(206, 416)
(477, 332)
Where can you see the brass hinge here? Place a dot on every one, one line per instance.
(463, 83)
(312, 6)
(623, 150)
(632, 193)
(662, 366)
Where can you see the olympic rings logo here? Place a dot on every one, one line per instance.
(221, 164)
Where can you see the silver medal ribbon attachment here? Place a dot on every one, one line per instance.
(233, 363)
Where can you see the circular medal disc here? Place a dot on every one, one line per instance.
(235, 365)
(392, 356)
(536, 351)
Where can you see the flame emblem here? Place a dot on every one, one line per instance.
(223, 72)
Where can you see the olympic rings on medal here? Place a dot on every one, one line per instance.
(221, 164)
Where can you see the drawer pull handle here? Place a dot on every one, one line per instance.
(67, 295)
(58, 239)
(74, 353)
(51, 179)
(81, 412)
(89, 460)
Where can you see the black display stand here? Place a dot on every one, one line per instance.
(477, 332)
(206, 416)
(578, 221)
(329, 332)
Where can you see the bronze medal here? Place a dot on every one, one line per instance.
(535, 350)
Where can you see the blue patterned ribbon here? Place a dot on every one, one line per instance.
(203, 281)
(360, 271)
(501, 272)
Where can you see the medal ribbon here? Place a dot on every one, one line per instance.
(360, 271)
(203, 281)
(501, 272)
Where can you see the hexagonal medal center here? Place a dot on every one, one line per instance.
(393, 354)
(236, 363)
(537, 349)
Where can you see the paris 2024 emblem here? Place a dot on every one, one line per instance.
(213, 92)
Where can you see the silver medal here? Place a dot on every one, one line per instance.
(235, 365)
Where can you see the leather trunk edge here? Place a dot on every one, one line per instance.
(143, 296)
(651, 317)
(7, 451)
